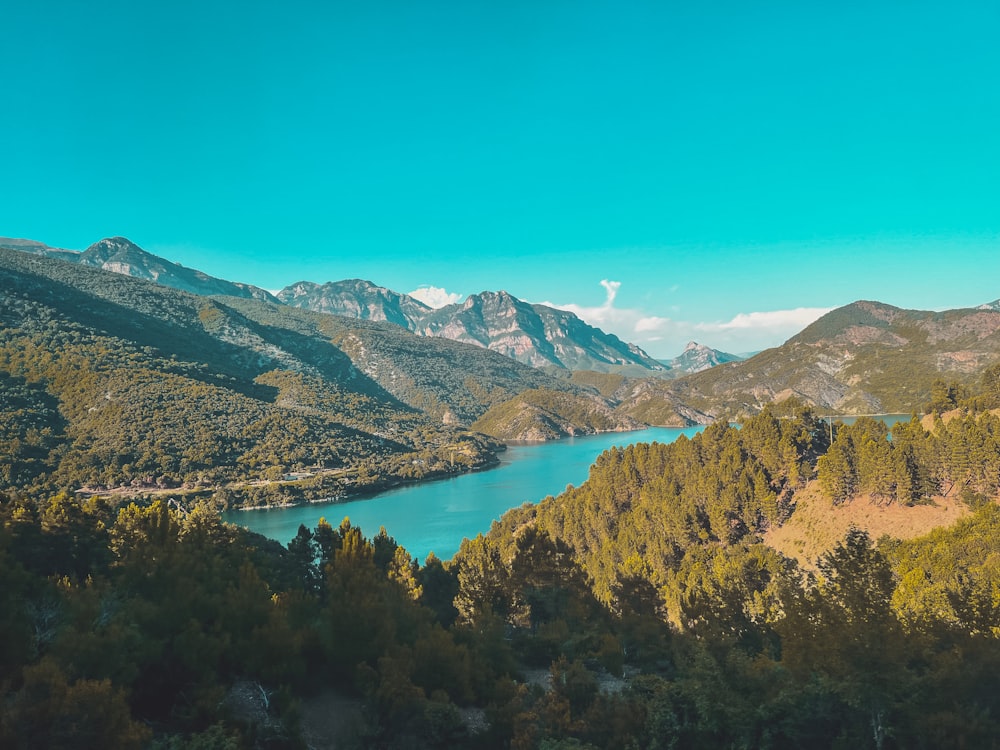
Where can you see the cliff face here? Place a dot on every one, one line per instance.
(356, 298)
(536, 335)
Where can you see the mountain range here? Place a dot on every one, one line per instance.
(866, 357)
(122, 256)
(111, 381)
(863, 358)
(535, 335)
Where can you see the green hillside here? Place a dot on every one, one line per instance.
(638, 610)
(860, 359)
(542, 414)
(120, 383)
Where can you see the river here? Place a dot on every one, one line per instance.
(436, 516)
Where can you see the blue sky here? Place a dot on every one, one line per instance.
(714, 171)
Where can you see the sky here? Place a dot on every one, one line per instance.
(723, 172)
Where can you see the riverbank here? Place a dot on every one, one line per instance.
(435, 516)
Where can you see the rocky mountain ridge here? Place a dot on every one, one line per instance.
(120, 255)
(536, 335)
(697, 357)
(356, 298)
(863, 358)
(866, 357)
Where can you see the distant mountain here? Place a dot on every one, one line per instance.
(697, 357)
(39, 248)
(356, 298)
(112, 382)
(536, 335)
(866, 357)
(119, 255)
(994, 305)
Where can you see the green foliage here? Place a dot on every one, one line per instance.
(654, 503)
(961, 455)
(638, 610)
(542, 414)
(111, 383)
(604, 383)
(944, 396)
(154, 617)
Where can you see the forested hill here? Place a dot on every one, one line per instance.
(864, 358)
(654, 513)
(111, 381)
(639, 610)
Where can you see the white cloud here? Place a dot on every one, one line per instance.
(651, 323)
(603, 315)
(612, 288)
(665, 337)
(631, 325)
(774, 320)
(435, 296)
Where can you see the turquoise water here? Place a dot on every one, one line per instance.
(436, 516)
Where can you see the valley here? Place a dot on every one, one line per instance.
(635, 578)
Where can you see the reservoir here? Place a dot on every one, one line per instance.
(436, 516)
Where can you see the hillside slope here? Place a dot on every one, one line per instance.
(864, 358)
(137, 384)
(356, 298)
(112, 382)
(537, 335)
(120, 255)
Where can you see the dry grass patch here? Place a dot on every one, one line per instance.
(817, 525)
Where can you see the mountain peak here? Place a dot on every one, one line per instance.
(122, 256)
(111, 245)
(536, 335)
(355, 298)
(116, 241)
(697, 357)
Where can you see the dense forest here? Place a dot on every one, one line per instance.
(639, 610)
(642, 609)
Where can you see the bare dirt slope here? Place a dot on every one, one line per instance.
(817, 525)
